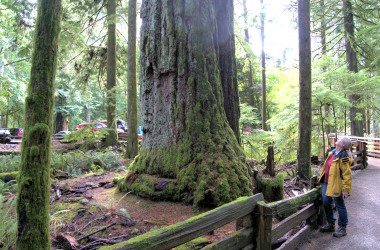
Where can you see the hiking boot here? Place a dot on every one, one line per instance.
(329, 227)
(340, 232)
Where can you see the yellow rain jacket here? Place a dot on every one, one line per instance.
(340, 176)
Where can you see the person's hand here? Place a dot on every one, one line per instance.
(344, 194)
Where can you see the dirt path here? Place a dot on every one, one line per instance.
(363, 207)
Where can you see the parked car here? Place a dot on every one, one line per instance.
(120, 125)
(5, 135)
(16, 132)
(95, 125)
(62, 133)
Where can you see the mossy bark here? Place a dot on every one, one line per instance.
(111, 138)
(34, 180)
(132, 137)
(186, 132)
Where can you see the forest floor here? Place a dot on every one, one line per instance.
(91, 203)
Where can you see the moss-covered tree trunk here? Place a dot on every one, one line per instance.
(304, 117)
(352, 64)
(132, 137)
(187, 135)
(111, 73)
(34, 181)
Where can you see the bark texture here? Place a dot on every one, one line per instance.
(132, 137)
(304, 123)
(352, 64)
(225, 45)
(34, 181)
(187, 137)
(111, 74)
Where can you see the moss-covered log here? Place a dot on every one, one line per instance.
(187, 135)
(272, 188)
(8, 176)
(34, 179)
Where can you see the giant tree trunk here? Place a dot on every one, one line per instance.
(227, 62)
(304, 118)
(184, 61)
(34, 183)
(132, 137)
(111, 74)
(356, 124)
(263, 75)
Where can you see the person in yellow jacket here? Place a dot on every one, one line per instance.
(336, 178)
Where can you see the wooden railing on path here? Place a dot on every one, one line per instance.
(372, 144)
(255, 230)
(362, 147)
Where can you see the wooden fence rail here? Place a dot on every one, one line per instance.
(257, 231)
(360, 151)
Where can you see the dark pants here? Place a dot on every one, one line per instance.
(339, 203)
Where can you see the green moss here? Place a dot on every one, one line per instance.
(13, 174)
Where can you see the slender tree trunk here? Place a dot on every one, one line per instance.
(304, 124)
(187, 135)
(263, 74)
(61, 121)
(87, 113)
(355, 123)
(227, 63)
(246, 34)
(111, 74)
(34, 182)
(324, 52)
(132, 139)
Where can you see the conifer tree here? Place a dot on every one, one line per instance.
(34, 180)
(304, 117)
(132, 137)
(111, 74)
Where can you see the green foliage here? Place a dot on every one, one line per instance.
(87, 136)
(9, 163)
(8, 225)
(77, 162)
(254, 141)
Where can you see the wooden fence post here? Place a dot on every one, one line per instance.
(263, 226)
(364, 148)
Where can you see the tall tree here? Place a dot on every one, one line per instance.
(34, 183)
(263, 75)
(304, 117)
(246, 36)
(356, 123)
(187, 136)
(132, 137)
(111, 73)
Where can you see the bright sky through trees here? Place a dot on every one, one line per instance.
(280, 28)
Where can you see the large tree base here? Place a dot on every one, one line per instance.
(149, 186)
(181, 175)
